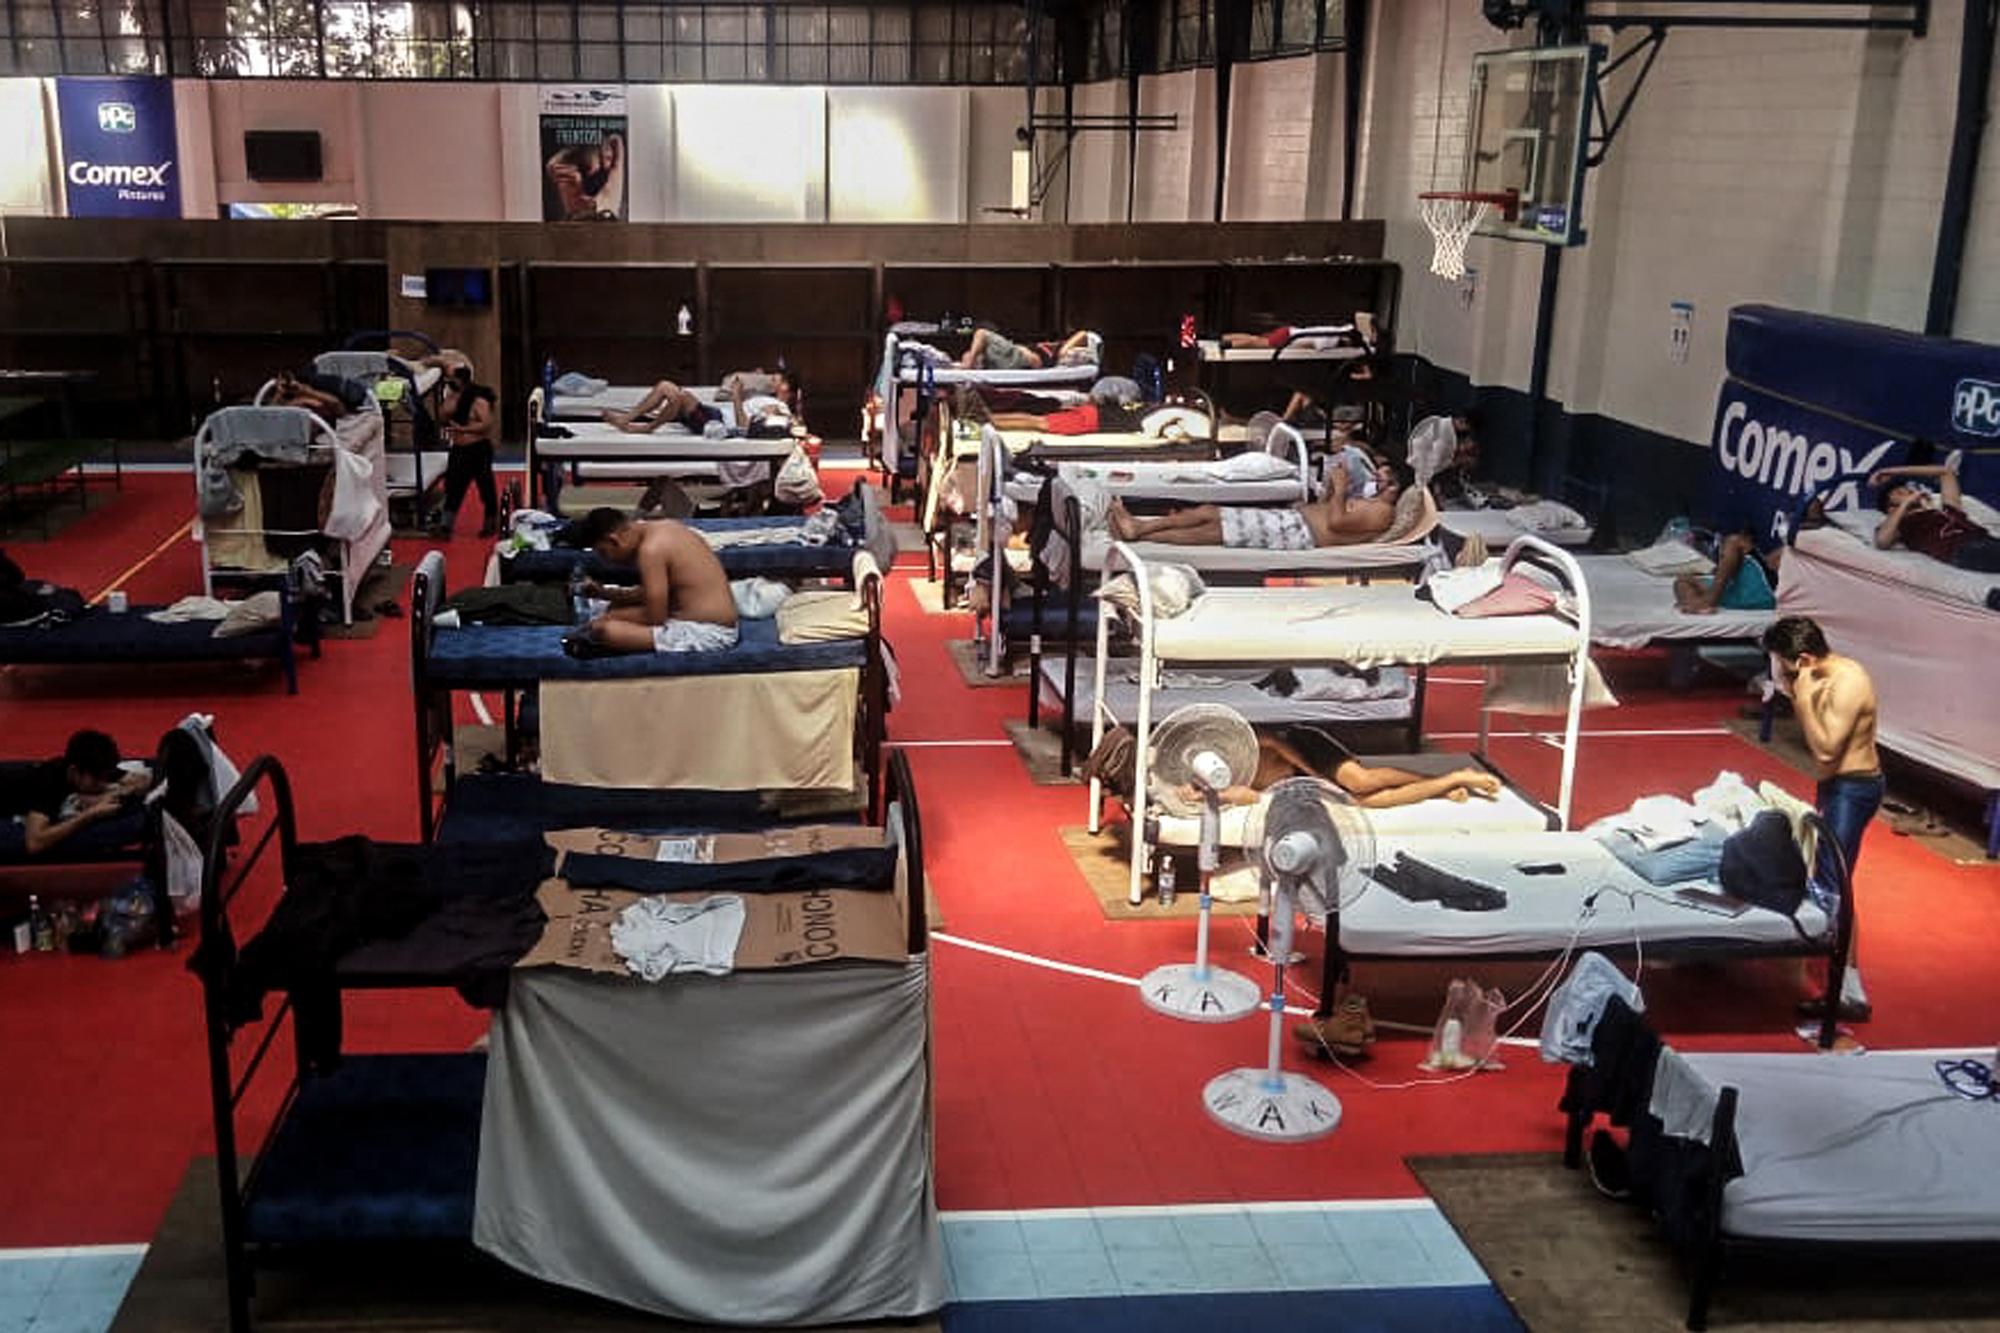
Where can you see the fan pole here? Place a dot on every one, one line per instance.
(1200, 993)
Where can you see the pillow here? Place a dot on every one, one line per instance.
(1254, 465)
(1517, 595)
(1416, 514)
(1547, 516)
(254, 614)
(1174, 587)
(820, 616)
(1670, 557)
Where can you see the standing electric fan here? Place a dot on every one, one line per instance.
(1312, 846)
(1209, 748)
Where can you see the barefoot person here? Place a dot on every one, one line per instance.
(1835, 703)
(665, 403)
(1373, 787)
(1742, 580)
(682, 603)
(1342, 519)
(993, 350)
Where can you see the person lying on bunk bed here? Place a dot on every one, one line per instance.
(665, 402)
(741, 386)
(1342, 519)
(1744, 580)
(328, 397)
(993, 350)
(1114, 411)
(682, 603)
(67, 794)
(1364, 334)
(1933, 523)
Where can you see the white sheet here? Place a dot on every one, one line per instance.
(1359, 626)
(1106, 443)
(1859, 1147)
(592, 440)
(1497, 529)
(1320, 560)
(1026, 488)
(1240, 693)
(1510, 812)
(615, 398)
(1543, 912)
(1212, 350)
(1001, 379)
(1928, 654)
(1850, 542)
(1630, 608)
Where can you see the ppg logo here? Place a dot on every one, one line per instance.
(1975, 408)
(117, 117)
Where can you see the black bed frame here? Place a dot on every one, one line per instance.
(223, 879)
(286, 656)
(433, 717)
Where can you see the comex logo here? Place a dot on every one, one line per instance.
(1975, 407)
(117, 117)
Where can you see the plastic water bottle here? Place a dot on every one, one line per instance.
(1165, 880)
(684, 321)
(579, 597)
(41, 926)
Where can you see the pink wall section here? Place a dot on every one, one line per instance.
(429, 152)
(333, 109)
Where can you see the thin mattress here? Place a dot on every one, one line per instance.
(1026, 488)
(1367, 557)
(1496, 528)
(1212, 350)
(1358, 626)
(99, 635)
(1509, 812)
(614, 398)
(1899, 567)
(591, 440)
(1074, 374)
(1234, 689)
(515, 654)
(1546, 913)
(1630, 608)
(1867, 1147)
(1113, 444)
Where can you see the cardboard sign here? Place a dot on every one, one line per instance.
(780, 930)
(718, 848)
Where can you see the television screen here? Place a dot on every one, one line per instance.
(282, 155)
(465, 287)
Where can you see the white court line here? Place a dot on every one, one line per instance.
(70, 1251)
(1188, 1209)
(479, 710)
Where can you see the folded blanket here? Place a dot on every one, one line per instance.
(1671, 557)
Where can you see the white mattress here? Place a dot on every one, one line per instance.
(1083, 374)
(593, 440)
(614, 398)
(1360, 626)
(1328, 560)
(1103, 443)
(1497, 529)
(1212, 350)
(1239, 693)
(402, 470)
(1924, 651)
(1026, 488)
(1859, 1147)
(1543, 911)
(1630, 608)
(1510, 812)
(643, 471)
(1898, 566)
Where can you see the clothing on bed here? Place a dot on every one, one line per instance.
(831, 868)
(512, 604)
(1419, 881)
(693, 636)
(1683, 1101)
(659, 938)
(1265, 529)
(1576, 1007)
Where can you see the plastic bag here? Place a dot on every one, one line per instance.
(1466, 1035)
(797, 483)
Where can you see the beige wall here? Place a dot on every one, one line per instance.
(427, 152)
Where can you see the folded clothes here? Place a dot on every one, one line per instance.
(657, 937)
(1697, 859)
(1420, 882)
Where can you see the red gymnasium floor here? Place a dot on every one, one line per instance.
(1053, 1088)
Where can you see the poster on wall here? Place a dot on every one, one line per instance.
(584, 154)
(118, 147)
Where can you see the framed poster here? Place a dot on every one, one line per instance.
(584, 154)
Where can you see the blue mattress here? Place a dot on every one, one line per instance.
(1018, 620)
(790, 560)
(385, 1148)
(500, 806)
(101, 636)
(519, 654)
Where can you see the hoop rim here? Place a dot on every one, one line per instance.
(1508, 202)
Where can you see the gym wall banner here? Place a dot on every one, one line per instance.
(118, 148)
(584, 154)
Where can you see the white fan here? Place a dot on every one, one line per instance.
(1257, 432)
(1208, 748)
(1312, 846)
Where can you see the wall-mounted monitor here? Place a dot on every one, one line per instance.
(460, 288)
(282, 155)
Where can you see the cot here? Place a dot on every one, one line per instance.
(102, 637)
(904, 370)
(607, 452)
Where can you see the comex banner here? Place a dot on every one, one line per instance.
(1812, 405)
(118, 147)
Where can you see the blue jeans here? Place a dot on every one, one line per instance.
(1846, 803)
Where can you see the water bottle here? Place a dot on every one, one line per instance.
(579, 598)
(41, 926)
(1165, 880)
(684, 321)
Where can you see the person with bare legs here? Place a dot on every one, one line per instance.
(1341, 519)
(992, 350)
(682, 603)
(1742, 580)
(665, 402)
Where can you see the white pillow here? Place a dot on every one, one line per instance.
(1174, 587)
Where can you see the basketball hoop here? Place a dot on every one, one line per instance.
(1453, 216)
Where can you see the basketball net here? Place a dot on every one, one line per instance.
(1452, 222)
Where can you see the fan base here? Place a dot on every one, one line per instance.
(1291, 1109)
(1178, 990)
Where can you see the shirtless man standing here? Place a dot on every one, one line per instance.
(1835, 703)
(682, 603)
(1339, 520)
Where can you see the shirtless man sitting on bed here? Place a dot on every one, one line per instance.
(1342, 519)
(682, 603)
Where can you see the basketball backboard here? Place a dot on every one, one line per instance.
(1527, 133)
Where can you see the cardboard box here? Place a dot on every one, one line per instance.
(718, 848)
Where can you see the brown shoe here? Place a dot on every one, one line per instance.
(1347, 1031)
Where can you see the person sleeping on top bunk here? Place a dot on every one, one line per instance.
(1364, 332)
(1933, 523)
(665, 402)
(1116, 406)
(326, 396)
(682, 603)
(1344, 518)
(992, 350)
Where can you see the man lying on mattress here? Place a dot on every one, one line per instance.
(682, 603)
(1344, 518)
(992, 350)
(1933, 523)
